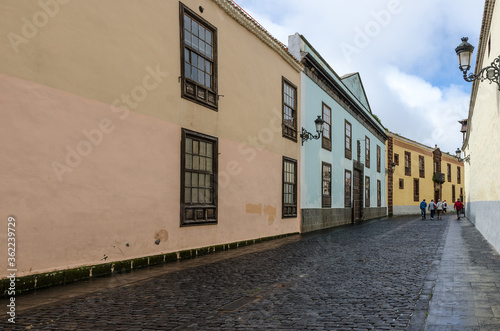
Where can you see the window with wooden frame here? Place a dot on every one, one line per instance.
(289, 110)
(327, 128)
(198, 59)
(459, 179)
(379, 193)
(289, 199)
(198, 178)
(367, 191)
(401, 184)
(347, 189)
(421, 166)
(348, 140)
(396, 159)
(407, 164)
(448, 166)
(367, 152)
(453, 193)
(378, 159)
(416, 189)
(326, 179)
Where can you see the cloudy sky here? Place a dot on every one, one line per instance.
(404, 51)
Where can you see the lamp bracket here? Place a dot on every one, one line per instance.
(490, 73)
(306, 135)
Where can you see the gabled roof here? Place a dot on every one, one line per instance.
(355, 85)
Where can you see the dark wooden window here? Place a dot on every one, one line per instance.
(367, 152)
(348, 140)
(401, 183)
(198, 59)
(379, 193)
(327, 128)
(407, 163)
(326, 179)
(289, 110)
(449, 171)
(453, 193)
(462, 194)
(347, 189)
(396, 159)
(421, 166)
(289, 188)
(416, 189)
(198, 178)
(379, 160)
(367, 191)
(459, 179)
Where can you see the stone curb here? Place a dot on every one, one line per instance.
(67, 276)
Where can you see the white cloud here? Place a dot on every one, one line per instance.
(436, 111)
(403, 50)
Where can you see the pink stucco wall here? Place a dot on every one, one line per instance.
(123, 187)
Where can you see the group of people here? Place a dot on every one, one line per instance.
(440, 208)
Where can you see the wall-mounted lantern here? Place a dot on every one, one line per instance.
(458, 153)
(305, 135)
(491, 73)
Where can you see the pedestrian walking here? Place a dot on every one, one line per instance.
(432, 208)
(445, 205)
(439, 209)
(458, 207)
(423, 205)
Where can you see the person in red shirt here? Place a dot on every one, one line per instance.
(458, 207)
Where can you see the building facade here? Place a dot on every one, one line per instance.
(482, 139)
(343, 172)
(143, 129)
(420, 172)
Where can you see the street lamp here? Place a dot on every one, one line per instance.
(306, 135)
(464, 52)
(458, 153)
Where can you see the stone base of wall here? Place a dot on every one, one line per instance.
(409, 210)
(374, 212)
(61, 277)
(314, 219)
(485, 215)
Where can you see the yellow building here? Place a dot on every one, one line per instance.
(418, 172)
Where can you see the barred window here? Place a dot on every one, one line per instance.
(379, 193)
(367, 152)
(347, 190)
(367, 191)
(326, 178)
(379, 159)
(421, 166)
(407, 163)
(289, 188)
(416, 190)
(198, 178)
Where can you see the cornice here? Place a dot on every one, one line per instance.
(251, 25)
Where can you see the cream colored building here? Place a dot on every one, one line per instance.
(420, 172)
(131, 130)
(482, 141)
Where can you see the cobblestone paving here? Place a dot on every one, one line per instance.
(363, 277)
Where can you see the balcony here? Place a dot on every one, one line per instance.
(439, 177)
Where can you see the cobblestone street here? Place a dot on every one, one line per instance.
(369, 276)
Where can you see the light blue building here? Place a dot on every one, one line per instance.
(342, 174)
